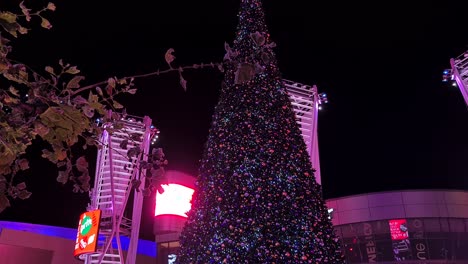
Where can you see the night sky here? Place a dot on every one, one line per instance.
(390, 123)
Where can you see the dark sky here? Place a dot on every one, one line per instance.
(390, 122)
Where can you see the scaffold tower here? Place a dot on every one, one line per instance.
(459, 73)
(306, 102)
(116, 172)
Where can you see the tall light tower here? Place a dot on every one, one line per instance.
(306, 102)
(459, 73)
(116, 172)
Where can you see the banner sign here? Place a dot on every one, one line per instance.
(87, 236)
(398, 229)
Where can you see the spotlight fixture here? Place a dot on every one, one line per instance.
(447, 75)
(323, 98)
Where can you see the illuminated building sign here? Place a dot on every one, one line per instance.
(398, 229)
(88, 228)
(175, 200)
(400, 243)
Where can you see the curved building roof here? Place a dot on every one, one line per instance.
(399, 204)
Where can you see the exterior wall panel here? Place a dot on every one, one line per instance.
(431, 226)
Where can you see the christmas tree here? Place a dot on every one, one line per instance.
(256, 199)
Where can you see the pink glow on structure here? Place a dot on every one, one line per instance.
(175, 200)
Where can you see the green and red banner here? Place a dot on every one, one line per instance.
(88, 230)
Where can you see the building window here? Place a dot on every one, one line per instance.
(167, 252)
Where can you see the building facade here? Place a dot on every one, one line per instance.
(24, 243)
(413, 226)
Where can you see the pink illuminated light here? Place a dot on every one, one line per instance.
(175, 200)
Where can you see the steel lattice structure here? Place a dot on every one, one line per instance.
(306, 102)
(459, 73)
(115, 173)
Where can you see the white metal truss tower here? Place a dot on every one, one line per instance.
(115, 173)
(306, 102)
(460, 73)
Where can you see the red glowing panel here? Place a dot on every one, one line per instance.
(175, 200)
(398, 229)
(87, 236)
